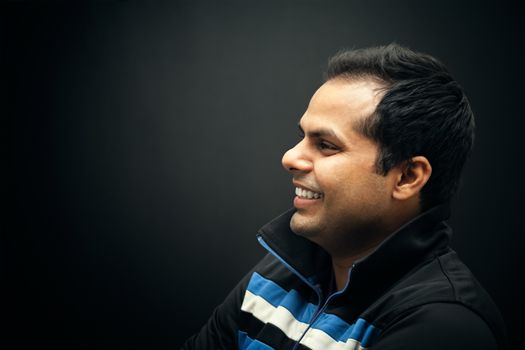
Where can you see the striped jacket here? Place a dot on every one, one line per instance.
(412, 292)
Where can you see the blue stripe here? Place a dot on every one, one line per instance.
(367, 332)
(277, 296)
(361, 331)
(303, 311)
(334, 326)
(247, 343)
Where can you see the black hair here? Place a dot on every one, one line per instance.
(423, 111)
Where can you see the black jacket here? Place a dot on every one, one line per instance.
(412, 292)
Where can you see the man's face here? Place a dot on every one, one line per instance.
(340, 198)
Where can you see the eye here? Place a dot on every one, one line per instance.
(326, 146)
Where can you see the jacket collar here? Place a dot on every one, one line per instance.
(413, 243)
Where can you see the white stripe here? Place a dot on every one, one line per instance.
(291, 327)
(280, 316)
(317, 339)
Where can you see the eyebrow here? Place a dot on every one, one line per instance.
(319, 132)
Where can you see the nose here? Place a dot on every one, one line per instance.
(296, 160)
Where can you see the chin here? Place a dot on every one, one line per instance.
(302, 227)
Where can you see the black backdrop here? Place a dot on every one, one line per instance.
(144, 139)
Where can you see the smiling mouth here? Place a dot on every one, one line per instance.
(307, 194)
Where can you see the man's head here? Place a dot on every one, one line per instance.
(424, 112)
(386, 136)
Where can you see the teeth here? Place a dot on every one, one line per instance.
(307, 194)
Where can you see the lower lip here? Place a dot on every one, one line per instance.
(304, 202)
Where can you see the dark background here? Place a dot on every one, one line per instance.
(143, 144)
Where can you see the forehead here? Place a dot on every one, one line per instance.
(340, 103)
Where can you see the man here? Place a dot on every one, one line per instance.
(362, 261)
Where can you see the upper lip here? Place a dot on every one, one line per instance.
(297, 184)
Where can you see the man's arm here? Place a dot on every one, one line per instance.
(220, 331)
(436, 327)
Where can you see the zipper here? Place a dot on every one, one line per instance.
(316, 288)
(321, 309)
(310, 323)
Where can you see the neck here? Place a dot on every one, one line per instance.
(342, 261)
(342, 266)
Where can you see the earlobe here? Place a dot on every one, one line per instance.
(413, 176)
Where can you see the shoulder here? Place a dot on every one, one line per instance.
(438, 326)
(440, 300)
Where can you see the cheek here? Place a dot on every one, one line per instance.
(346, 176)
(330, 174)
(375, 192)
(338, 182)
(352, 186)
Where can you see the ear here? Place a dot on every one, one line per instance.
(412, 176)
